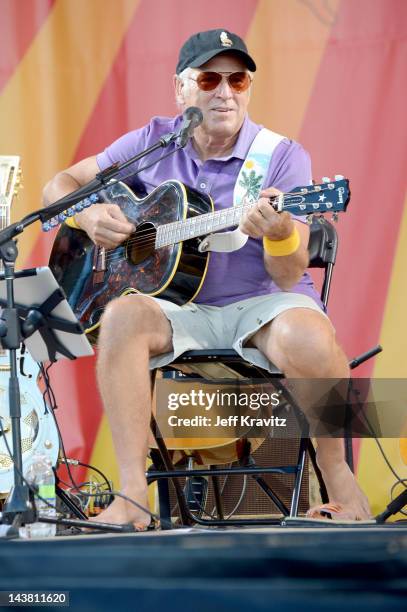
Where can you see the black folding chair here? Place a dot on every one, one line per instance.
(323, 246)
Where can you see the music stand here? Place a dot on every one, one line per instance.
(49, 327)
(50, 331)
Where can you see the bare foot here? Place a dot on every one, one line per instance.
(121, 511)
(344, 490)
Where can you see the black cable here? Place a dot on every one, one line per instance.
(202, 507)
(20, 473)
(48, 391)
(397, 477)
(95, 469)
(399, 480)
(403, 480)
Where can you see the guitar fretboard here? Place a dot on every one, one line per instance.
(178, 231)
(306, 200)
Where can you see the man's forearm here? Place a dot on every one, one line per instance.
(287, 270)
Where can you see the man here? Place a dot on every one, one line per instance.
(258, 296)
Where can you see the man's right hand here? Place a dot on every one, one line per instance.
(105, 224)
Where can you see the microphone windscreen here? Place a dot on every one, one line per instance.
(193, 114)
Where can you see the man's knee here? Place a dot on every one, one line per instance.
(135, 316)
(302, 339)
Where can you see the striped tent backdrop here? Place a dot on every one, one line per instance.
(76, 74)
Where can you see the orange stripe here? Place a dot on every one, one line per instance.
(288, 43)
(47, 102)
(17, 31)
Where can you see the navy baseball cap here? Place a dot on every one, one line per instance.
(203, 46)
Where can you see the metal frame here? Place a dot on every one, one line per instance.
(322, 248)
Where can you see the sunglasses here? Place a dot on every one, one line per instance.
(208, 81)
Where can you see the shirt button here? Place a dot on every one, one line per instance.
(202, 185)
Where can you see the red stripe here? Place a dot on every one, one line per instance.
(140, 83)
(19, 23)
(353, 126)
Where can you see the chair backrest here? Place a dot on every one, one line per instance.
(323, 243)
(322, 247)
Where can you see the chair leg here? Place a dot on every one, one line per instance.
(186, 517)
(218, 495)
(349, 453)
(295, 499)
(322, 487)
(268, 491)
(163, 491)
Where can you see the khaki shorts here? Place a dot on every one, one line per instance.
(197, 326)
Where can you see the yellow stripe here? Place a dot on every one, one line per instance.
(392, 363)
(374, 476)
(288, 42)
(46, 104)
(104, 458)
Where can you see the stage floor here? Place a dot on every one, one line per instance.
(270, 568)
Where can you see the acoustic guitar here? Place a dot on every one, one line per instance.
(162, 257)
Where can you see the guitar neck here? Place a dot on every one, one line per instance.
(332, 196)
(9, 180)
(178, 231)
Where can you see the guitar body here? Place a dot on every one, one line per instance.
(92, 276)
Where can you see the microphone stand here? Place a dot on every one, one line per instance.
(20, 507)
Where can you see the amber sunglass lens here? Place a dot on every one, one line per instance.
(239, 81)
(207, 81)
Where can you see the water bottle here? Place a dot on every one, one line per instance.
(40, 473)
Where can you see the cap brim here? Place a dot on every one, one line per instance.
(205, 57)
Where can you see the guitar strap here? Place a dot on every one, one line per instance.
(248, 185)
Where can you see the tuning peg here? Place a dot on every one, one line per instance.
(326, 179)
(309, 219)
(334, 217)
(339, 177)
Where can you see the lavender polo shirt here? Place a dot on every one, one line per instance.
(230, 276)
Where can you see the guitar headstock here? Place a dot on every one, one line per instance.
(10, 182)
(328, 196)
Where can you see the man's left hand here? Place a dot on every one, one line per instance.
(262, 220)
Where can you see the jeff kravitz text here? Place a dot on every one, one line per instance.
(203, 400)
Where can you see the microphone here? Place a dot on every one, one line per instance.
(192, 117)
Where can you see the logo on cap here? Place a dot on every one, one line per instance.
(225, 40)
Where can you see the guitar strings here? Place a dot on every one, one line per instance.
(145, 238)
(119, 252)
(287, 197)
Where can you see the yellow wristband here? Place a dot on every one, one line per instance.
(278, 248)
(71, 221)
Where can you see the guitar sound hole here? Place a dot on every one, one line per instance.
(140, 245)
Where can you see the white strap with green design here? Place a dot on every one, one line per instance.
(248, 185)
